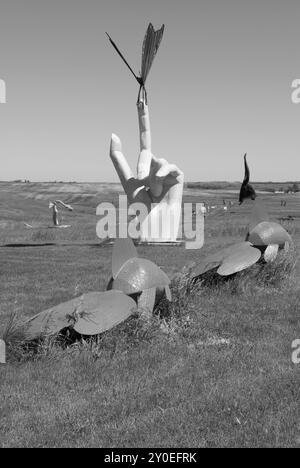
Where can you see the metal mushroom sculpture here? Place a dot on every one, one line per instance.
(135, 281)
(137, 277)
(264, 234)
(150, 47)
(228, 261)
(263, 240)
(90, 314)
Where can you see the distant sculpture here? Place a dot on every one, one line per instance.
(203, 209)
(262, 233)
(54, 206)
(246, 191)
(54, 213)
(262, 243)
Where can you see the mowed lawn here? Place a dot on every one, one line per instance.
(216, 372)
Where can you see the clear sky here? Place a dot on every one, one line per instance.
(220, 86)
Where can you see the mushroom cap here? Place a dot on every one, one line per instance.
(230, 260)
(242, 257)
(138, 274)
(50, 321)
(103, 311)
(94, 311)
(267, 232)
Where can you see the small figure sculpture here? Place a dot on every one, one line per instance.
(54, 206)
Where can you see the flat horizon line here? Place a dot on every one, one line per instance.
(23, 181)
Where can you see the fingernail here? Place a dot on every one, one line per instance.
(115, 143)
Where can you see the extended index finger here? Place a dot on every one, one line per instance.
(144, 126)
(145, 157)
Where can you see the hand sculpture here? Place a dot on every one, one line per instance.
(158, 185)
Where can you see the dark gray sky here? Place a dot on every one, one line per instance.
(220, 86)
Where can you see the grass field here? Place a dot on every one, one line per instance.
(216, 371)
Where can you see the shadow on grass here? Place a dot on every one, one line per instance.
(51, 244)
(29, 245)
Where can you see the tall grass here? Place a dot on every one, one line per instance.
(171, 320)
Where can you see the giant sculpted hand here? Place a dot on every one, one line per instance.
(158, 185)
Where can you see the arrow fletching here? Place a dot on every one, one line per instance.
(150, 47)
(151, 44)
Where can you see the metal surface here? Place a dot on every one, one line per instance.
(102, 311)
(138, 274)
(89, 314)
(51, 321)
(242, 257)
(230, 260)
(267, 232)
